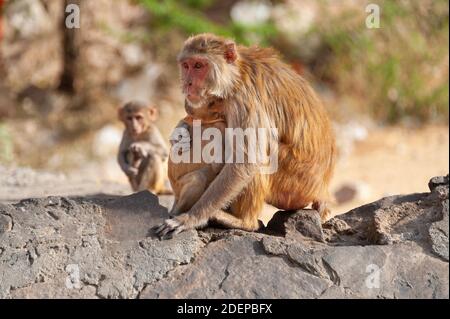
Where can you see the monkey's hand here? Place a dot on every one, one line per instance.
(140, 149)
(173, 226)
(180, 137)
(131, 171)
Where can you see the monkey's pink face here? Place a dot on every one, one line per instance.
(194, 74)
(136, 123)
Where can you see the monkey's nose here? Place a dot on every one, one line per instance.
(190, 83)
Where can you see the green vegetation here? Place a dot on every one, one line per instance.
(187, 17)
(399, 70)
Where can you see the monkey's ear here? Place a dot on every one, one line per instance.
(153, 113)
(230, 54)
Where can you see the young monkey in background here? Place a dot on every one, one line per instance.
(190, 180)
(142, 152)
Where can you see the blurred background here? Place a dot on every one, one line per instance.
(386, 88)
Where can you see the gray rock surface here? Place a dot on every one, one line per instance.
(86, 248)
(102, 247)
(300, 225)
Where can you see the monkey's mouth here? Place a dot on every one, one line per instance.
(193, 98)
(135, 132)
(193, 95)
(194, 104)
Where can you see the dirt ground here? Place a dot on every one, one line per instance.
(394, 161)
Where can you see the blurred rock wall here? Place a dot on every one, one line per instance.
(112, 63)
(107, 55)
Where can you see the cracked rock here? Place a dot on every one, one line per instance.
(102, 247)
(438, 181)
(439, 233)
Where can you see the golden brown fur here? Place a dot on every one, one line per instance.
(190, 180)
(259, 90)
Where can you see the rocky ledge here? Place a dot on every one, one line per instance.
(101, 247)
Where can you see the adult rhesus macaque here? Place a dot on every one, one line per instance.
(142, 152)
(190, 180)
(259, 91)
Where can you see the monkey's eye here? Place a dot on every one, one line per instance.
(211, 103)
(139, 118)
(185, 66)
(198, 65)
(129, 118)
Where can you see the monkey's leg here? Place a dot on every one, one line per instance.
(287, 184)
(133, 183)
(151, 173)
(244, 213)
(225, 219)
(155, 176)
(133, 160)
(171, 227)
(157, 184)
(248, 205)
(299, 181)
(194, 185)
(163, 188)
(323, 210)
(146, 174)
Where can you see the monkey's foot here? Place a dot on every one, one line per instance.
(171, 227)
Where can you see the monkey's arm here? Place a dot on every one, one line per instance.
(145, 148)
(181, 136)
(230, 182)
(122, 159)
(122, 154)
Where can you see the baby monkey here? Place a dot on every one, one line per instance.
(190, 180)
(142, 153)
